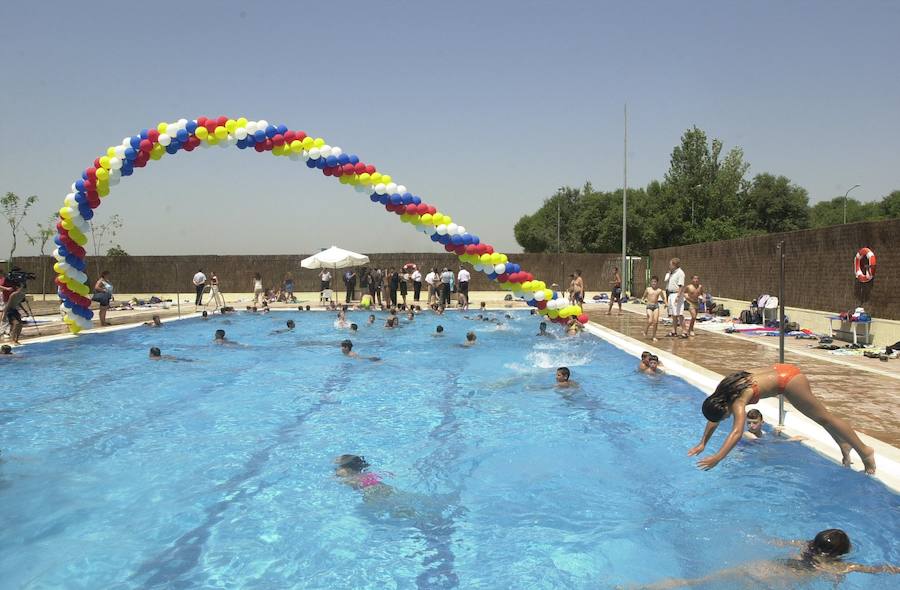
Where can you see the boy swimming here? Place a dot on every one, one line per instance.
(563, 375)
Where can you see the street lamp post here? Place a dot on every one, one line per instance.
(845, 200)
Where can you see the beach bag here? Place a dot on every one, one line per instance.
(746, 317)
(366, 301)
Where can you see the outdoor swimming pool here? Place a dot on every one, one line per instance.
(119, 472)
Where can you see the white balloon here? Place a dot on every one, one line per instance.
(72, 188)
(240, 133)
(336, 151)
(182, 123)
(401, 189)
(380, 188)
(120, 151)
(70, 201)
(442, 230)
(500, 269)
(391, 188)
(126, 142)
(538, 296)
(314, 154)
(460, 230)
(251, 127)
(325, 150)
(451, 229)
(114, 181)
(262, 124)
(115, 163)
(429, 229)
(164, 139)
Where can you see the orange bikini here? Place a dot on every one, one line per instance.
(785, 374)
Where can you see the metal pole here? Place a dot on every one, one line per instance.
(177, 292)
(781, 326)
(845, 200)
(625, 200)
(562, 276)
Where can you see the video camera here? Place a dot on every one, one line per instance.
(19, 278)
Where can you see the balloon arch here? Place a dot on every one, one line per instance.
(184, 135)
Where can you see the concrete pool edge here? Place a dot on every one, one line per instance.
(795, 424)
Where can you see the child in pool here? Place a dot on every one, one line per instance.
(739, 390)
(352, 471)
(290, 326)
(542, 330)
(642, 366)
(562, 378)
(821, 555)
(470, 339)
(347, 350)
(755, 423)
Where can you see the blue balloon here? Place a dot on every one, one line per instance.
(70, 259)
(86, 211)
(476, 240)
(518, 267)
(407, 199)
(445, 239)
(396, 199)
(79, 263)
(343, 159)
(251, 140)
(136, 141)
(435, 238)
(182, 135)
(374, 197)
(241, 143)
(456, 240)
(467, 239)
(130, 153)
(510, 268)
(259, 135)
(84, 175)
(63, 251)
(331, 161)
(532, 302)
(145, 134)
(493, 276)
(282, 129)
(354, 159)
(310, 163)
(81, 199)
(79, 185)
(127, 170)
(172, 148)
(384, 199)
(271, 131)
(321, 163)
(58, 241)
(191, 126)
(416, 200)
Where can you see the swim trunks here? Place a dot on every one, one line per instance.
(653, 307)
(102, 298)
(785, 374)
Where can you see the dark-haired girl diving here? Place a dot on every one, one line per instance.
(738, 390)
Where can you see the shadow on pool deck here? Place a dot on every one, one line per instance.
(868, 400)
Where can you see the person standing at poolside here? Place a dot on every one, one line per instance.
(615, 295)
(431, 279)
(214, 294)
(287, 288)
(324, 283)
(417, 283)
(653, 295)
(692, 294)
(199, 281)
(394, 285)
(386, 288)
(11, 311)
(257, 288)
(463, 279)
(675, 296)
(578, 289)
(446, 279)
(404, 286)
(103, 295)
(350, 284)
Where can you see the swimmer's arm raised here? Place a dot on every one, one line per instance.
(737, 431)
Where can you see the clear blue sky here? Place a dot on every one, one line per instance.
(484, 108)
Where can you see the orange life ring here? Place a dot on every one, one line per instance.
(869, 274)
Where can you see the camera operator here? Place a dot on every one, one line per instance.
(14, 299)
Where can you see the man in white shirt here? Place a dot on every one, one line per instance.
(675, 296)
(446, 278)
(324, 283)
(431, 279)
(462, 279)
(417, 284)
(199, 283)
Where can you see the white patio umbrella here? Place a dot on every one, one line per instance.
(334, 257)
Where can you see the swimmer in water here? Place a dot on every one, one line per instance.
(562, 378)
(156, 355)
(352, 470)
(439, 331)
(6, 350)
(543, 329)
(205, 315)
(643, 364)
(820, 556)
(347, 350)
(755, 423)
(371, 319)
(354, 328)
(290, 327)
(470, 339)
(653, 366)
(154, 322)
(738, 390)
(573, 327)
(219, 338)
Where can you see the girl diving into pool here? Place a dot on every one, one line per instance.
(820, 556)
(744, 388)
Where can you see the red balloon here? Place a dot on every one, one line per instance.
(348, 168)
(201, 121)
(211, 126)
(421, 208)
(358, 168)
(138, 163)
(220, 122)
(89, 184)
(97, 163)
(338, 171)
(541, 304)
(300, 135)
(269, 145)
(488, 249)
(411, 209)
(502, 278)
(400, 209)
(432, 209)
(289, 136)
(146, 145)
(449, 247)
(389, 207)
(260, 147)
(153, 135)
(583, 318)
(461, 249)
(278, 139)
(471, 249)
(370, 169)
(91, 172)
(92, 194)
(327, 171)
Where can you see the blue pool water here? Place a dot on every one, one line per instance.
(119, 472)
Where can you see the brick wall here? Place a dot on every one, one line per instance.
(166, 274)
(818, 267)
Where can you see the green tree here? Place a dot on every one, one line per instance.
(14, 211)
(890, 205)
(773, 204)
(40, 238)
(116, 250)
(537, 232)
(826, 213)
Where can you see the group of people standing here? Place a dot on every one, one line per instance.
(677, 296)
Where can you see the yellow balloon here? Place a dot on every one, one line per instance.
(376, 177)
(318, 142)
(58, 269)
(104, 161)
(404, 218)
(230, 125)
(211, 138)
(103, 189)
(553, 314)
(161, 127)
(386, 178)
(548, 294)
(426, 218)
(485, 259)
(308, 143)
(201, 132)
(110, 152)
(447, 219)
(74, 328)
(297, 147)
(242, 122)
(102, 174)
(221, 132)
(503, 259)
(365, 178)
(65, 212)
